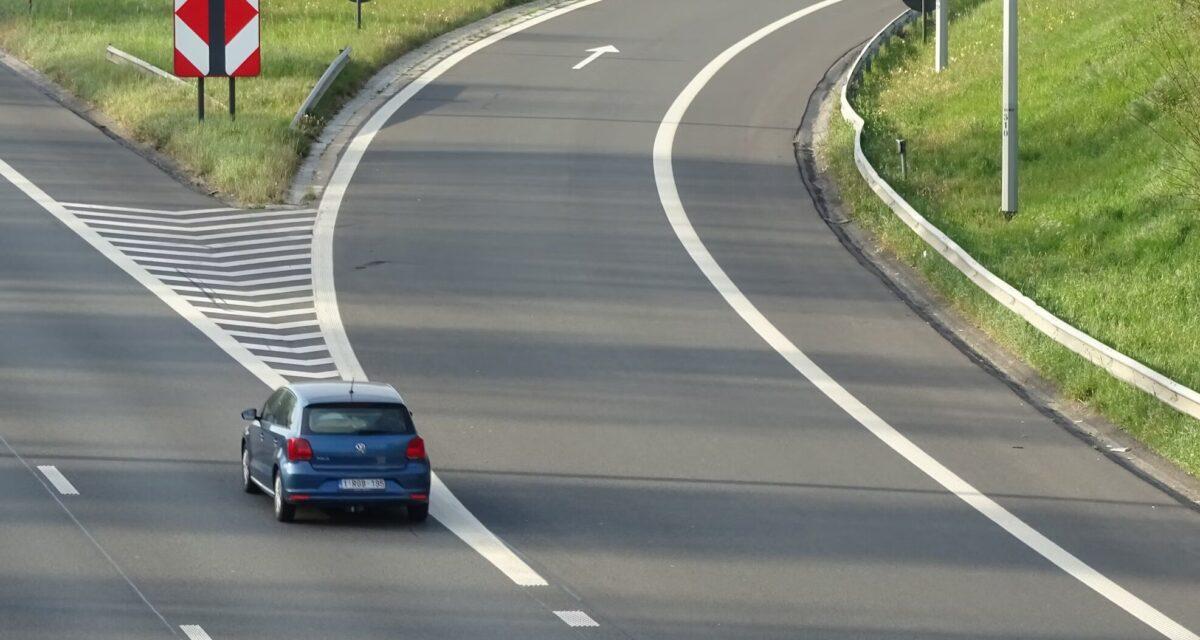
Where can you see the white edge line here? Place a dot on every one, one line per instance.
(664, 174)
(159, 288)
(443, 505)
(57, 479)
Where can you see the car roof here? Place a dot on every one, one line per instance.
(325, 392)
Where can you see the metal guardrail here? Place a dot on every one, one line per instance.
(1119, 365)
(116, 56)
(327, 78)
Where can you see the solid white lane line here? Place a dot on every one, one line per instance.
(576, 619)
(57, 479)
(442, 504)
(664, 174)
(194, 632)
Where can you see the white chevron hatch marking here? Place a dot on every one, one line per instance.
(231, 282)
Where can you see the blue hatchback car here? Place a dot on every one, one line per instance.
(335, 445)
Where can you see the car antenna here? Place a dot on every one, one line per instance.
(351, 386)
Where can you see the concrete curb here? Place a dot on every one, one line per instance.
(318, 165)
(1119, 365)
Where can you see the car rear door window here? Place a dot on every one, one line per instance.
(271, 408)
(357, 419)
(287, 405)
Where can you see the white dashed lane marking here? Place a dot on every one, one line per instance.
(194, 632)
(576, 619)
(256, 284)
(57, 479)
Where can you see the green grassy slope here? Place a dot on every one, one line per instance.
(1104, 239)
(254, 158)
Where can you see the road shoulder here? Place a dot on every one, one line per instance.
(1099, 433)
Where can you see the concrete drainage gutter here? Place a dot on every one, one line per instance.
(1121, 366)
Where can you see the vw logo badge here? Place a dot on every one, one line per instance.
(361, 448)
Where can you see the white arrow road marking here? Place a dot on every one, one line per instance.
(57, 479)
(668, 191)
(596, 53)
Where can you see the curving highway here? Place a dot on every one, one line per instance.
(639, 357)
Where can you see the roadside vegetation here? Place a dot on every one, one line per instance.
(253, 159)
(1108, 233)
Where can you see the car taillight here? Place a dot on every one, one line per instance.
(416, 449)
(299, 449)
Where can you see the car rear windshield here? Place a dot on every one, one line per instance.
(357, 419)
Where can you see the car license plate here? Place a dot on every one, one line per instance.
(359, 484)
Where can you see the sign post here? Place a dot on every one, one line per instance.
(942, 57)
(217, 39)
(359, 4)
(1009, 132)
(924, 6)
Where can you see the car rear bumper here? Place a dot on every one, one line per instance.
(304, 485)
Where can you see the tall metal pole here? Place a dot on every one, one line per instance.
(943, 37)
(200, 98)
(1008, 198)
(232, 98)
(359, 3)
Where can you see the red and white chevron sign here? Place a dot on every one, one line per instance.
(216, 38)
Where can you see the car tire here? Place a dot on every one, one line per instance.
(247, 484)
(418, 512)
(284, 512)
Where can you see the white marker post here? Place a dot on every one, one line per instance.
(943, 37)
(1008, 186)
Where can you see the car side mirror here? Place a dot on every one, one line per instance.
(250, 414)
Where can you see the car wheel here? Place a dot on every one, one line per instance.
(418, 512)
(284, 512)
(247, 484)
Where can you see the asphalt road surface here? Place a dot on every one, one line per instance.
(502, 256)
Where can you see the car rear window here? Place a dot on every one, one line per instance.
(357, 419)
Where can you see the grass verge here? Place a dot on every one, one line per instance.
(1103, 238)
(253, 159)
